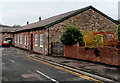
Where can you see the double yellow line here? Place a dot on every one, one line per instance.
(72, 72)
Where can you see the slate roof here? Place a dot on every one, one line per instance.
(47, 21)
(59, 18)
(8, 29)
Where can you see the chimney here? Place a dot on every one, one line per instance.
(27, 22)
(39, 18)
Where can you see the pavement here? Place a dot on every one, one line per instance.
(106, 71)
(102, 70)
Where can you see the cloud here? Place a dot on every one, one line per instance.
(20, 12)
(58, 1)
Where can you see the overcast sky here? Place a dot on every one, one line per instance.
(19, 12)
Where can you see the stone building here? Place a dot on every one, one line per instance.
(40, 36)
(7, 33)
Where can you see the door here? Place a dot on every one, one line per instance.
(31, 41)
(9, 40)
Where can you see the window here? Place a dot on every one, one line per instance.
(36, 39)
(25, 39)
(15, 39)
(110, 37)
(41, 40)
(28, 38)
(100, 37)
(20, 39)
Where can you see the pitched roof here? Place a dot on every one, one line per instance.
(59, 18)
(8, 29)
(47, 21)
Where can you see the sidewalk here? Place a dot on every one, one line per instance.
(109, 72)
(102, 70)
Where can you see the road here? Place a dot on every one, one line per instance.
(16, 66)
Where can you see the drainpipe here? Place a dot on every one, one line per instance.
(48, 42)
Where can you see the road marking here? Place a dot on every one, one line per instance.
(29, 75)
(11, 60)
(47, 76)
(75, 73)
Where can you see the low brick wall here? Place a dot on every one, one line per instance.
(107, 55)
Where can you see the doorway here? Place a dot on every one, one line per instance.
(9, 40)
(31, 41)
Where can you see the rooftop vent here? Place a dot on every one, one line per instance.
(39, 18)
(27, 22)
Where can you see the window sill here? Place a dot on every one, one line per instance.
(36, 45)
(41, 45)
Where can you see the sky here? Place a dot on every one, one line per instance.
(18, 12)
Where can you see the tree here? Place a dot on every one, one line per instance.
(72, 35)
(91, 39)
(16, 26)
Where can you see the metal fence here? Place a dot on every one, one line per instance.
(57, 48)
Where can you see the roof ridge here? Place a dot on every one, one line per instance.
(61, 17)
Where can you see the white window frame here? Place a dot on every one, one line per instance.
(15, 38)
(36, 39)
(110, 37)
(28, 39)
(25, 40)
(41, 40)
(20, 39)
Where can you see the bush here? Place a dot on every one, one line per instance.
(72, 35)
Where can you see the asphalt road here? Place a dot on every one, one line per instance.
(16, 66)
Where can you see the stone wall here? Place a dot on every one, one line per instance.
(38, 49)
(7, 35)
(88, 20)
